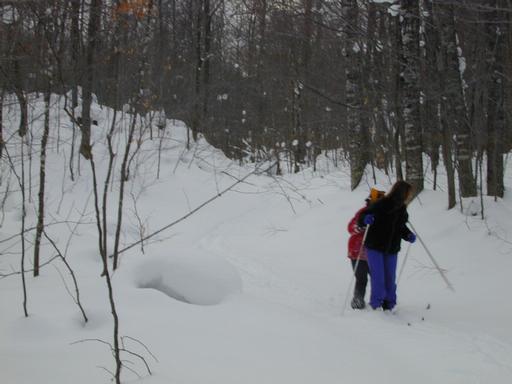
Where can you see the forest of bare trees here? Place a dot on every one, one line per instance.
(408, 87)
(400, 85)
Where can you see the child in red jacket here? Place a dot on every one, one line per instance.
(357, 253)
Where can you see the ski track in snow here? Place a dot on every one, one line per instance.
(260, 279)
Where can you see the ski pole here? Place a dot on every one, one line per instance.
(450, 286)
(355, 270)
(403, 263)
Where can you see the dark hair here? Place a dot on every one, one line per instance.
(400, 192)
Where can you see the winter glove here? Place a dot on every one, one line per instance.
(369, 219)
(358, 229)
(411, 238)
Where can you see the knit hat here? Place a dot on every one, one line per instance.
(376, 193)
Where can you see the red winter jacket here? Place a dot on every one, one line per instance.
(355, 241)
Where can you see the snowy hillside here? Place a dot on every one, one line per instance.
(252, 287)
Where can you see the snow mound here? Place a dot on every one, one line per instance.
(192, 279)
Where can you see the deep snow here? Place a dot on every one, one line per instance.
(251, 288)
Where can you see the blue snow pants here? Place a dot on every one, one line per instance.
(383, 275)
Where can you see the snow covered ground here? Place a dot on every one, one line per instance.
(252, 287)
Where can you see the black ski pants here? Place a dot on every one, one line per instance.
(361, 274)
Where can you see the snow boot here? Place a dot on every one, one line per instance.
(386, 306)
(357, 303)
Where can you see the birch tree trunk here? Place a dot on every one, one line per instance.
(453, 96)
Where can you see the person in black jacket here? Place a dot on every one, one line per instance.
(387, 220)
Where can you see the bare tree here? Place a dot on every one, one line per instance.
(495, 109)
(42, 183)
(431, 89)
(358, 134)
(76, 298)
(2, 142)
(411, 94)
(123, 179)
(94, 22)
(453, 97)
(21, 183)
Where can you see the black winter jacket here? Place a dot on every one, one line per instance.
(389, 227)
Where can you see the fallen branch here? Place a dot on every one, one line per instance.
(3, 275)
(195, 209)
(46, 226)
(77, 291)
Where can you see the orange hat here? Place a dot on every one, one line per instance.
(376, 194)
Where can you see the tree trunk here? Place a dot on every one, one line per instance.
(411, 95)
(448, 161)
(93, 27)
(124, 178)
(2, 143)
(196, 118)
(305, 134)
(443, 111)
(454, 99)
(261, 15)
(495, 112)
(431, 91)
(22, 99)
(206, 60)
(23, 226)
(75, 50)
(397, 92)
(42, 182)
(358, 140)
